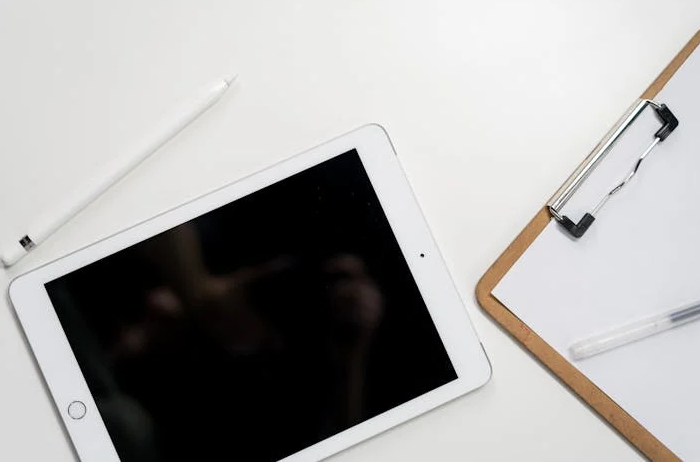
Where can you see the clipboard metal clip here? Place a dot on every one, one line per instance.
(577, 229)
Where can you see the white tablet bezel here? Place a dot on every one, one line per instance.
(63, 375)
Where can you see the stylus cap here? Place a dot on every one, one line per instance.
(11, 253)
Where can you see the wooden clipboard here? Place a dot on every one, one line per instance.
(635, 433)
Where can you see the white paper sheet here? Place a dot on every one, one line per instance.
(641, 257)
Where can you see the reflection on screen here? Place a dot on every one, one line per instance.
(255, 330)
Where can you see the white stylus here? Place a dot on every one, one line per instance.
(80, 198)
(635, 331)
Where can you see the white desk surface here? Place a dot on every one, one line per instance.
(490, 106)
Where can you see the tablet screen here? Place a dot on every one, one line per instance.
(255, 330)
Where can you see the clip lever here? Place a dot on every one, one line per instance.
(669, 121)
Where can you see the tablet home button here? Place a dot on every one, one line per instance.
(77, 410)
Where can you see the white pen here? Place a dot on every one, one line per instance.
(635, 331)
(80, 198)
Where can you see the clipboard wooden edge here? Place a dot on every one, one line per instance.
(624, 423)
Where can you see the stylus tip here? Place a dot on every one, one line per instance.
(231, 79)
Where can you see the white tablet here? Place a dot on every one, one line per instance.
(288, 315)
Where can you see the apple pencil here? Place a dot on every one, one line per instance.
(80, 198)
(635, 331)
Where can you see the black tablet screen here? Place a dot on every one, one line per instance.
(257, 329)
